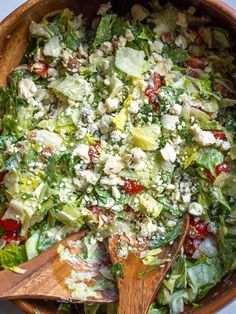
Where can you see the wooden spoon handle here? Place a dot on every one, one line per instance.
(140, 296)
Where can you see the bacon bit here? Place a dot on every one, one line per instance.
(196, 63)
(94, 151)
(219, 135)
(133, 187)
(10, 225)
(40, 68)
(47, 150)
(115, 45)
(32, 134)
(167, 37)
(73, 65)
(101, 213)
(193, 73)
(217, 87)
(2, 175)
(222, 168)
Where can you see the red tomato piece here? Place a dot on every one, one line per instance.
(10, 225)
(219, 134)
(10, 237)
(222, 168)
(94, 151)
(133, 187)
(191, 244)
(40, 68)
(200, 227)
(211, 177)
(196, 63)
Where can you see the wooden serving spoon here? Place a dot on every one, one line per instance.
(140, 283)
(45, 277)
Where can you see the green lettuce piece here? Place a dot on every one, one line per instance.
(203, 276)
(117, 270)
(177, 55)
(60, 166)
(209, 158)
(130, 61)
(91, 308)
(150, 205)
(72, 87)
(221, 37)
(177, 301)
(104, 30)
(71, 39)
(146, 137)
(12, 255)
(168, 96)
(166, 18)
(31, 245)
(227, 183)
(227, 251)
(70, 215)
(169, 236)
(218, 195)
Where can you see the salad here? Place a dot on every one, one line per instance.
(123, 127)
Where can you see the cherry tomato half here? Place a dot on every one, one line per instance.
(219, 135)
(196, 63)
(40, 68)
(222, 168)
(133, 187)
(10, 225)
(94, 151)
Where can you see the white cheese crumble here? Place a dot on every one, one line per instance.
(196, 209)
(168, 153)
(169, 122)
(27, 88)
(83, 152)
(114, 165)
(203, 138)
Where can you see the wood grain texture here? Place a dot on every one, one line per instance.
(45, 278)
(136, 291)
(12, 50)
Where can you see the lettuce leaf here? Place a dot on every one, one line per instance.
(130, 61)
(104, 30)
(12, 255)
(209, 158)
(203, 276)
(177, 55)
(227, 183)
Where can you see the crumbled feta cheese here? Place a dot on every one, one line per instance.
(181, 41)
(80, 134)
(112, 180)
(101, 108)
(196, 209)
(168, 153)
(104, 7)
(112, 104)
(182, 20)
(27, 88)
(83, 152)
(138, 154)
(122, 41)
(115, 192)
(87, 176)
(53, 47)
(114, 165)
(139, 13)
(203, 138)
(129, 35)
(225, 146)
(176, 109)
(163, 65)
(105, 124)
(134, 106)
(169, 122)
(106, 47)
(156, 46)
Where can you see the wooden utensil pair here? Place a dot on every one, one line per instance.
(45, 276)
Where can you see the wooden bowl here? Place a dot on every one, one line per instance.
(13, 43)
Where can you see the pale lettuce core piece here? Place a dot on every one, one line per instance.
(130, 61)
(73, 87)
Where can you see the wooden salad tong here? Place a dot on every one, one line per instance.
(46, 273)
